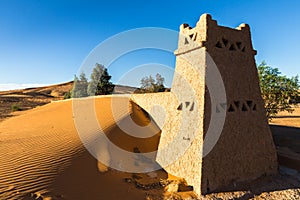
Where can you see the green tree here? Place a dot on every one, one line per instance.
(100, 81)
(277, 90)
(80, 86)
(148, 84)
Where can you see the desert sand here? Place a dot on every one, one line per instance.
(42, 157)
(288, 119)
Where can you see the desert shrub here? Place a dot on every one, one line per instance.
(68, 95)
(15, 107)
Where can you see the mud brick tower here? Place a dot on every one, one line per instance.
(245, 149)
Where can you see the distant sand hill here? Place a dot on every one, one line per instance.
(32, 97)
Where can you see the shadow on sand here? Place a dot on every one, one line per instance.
(87, 178)
(287, 116)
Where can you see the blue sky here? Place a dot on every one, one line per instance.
(45, 42)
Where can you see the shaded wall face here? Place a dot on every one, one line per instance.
(245, 149)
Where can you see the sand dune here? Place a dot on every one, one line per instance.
(42, 156)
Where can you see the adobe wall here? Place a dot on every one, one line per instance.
(179, 151)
